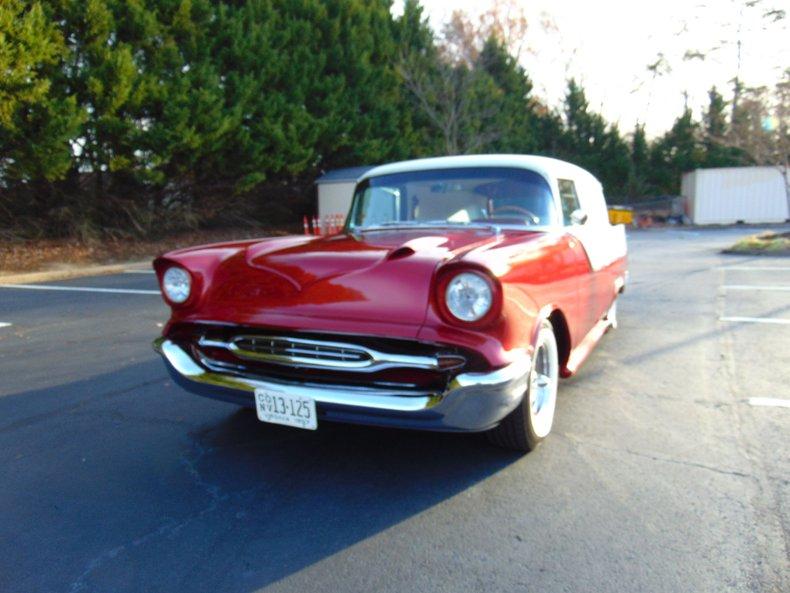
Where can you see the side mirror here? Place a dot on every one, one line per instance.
(578, 216)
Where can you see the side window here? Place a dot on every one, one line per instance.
(569, 199)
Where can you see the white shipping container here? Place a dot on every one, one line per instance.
(735, 194)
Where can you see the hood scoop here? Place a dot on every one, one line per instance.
(421, 245)
(400, 253)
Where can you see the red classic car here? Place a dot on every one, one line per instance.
(458, 292)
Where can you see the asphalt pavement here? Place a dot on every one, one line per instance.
(668, 469)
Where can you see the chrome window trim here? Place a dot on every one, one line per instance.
(375, 360)
(483, 226)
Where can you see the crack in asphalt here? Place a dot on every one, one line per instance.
(718, 470)
(116, 416)
(169, 527)
(684, 462)
(212, 490)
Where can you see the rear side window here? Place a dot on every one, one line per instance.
(569, 199)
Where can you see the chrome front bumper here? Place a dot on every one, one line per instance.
(472, 402)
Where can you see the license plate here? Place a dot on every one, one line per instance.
(281, 408)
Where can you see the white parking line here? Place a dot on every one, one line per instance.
(139, 272)
(755, 287)
(769, 401)
(776, 320)
(756, 268)
(5, 324)
(79, 289)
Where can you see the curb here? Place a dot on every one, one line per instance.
(66, 274)
(757, 252)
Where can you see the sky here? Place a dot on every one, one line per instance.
(607, 45)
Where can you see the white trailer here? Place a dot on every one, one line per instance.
(335, 190)
(736, 194)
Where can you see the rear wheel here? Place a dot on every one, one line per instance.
(526, 426)
(611, 316)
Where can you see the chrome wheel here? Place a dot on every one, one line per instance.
(543, 385)
(526, 426)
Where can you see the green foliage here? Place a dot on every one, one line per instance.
(35, 123)
(135, 115)
(515, 109)
(677, 152)
(416, 52)
(589, 142)
(718, 152)
(27, 42)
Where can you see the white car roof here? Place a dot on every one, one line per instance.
(550, 168)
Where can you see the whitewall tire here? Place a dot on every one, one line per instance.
(526, 426)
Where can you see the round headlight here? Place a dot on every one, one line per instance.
(468, 296)
(177, 284)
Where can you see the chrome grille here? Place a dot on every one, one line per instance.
(300, 352)
(268, 347)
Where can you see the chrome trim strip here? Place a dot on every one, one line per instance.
(375, 361)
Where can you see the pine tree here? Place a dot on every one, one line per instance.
(131, 115)
(715, 130)
(678, 151)
(590, 143)
(639, 150)
(35, 123)
(416, 52)
(516, 118)
(638, 184)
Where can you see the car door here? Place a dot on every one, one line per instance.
(593, 288)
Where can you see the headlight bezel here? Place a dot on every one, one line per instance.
(177, 300)
(446, 279)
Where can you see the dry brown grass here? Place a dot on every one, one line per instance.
(45, 254)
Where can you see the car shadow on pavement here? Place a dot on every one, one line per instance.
(123, 482)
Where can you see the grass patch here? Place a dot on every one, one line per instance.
(769, 243)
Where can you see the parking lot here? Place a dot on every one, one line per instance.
(668, 469)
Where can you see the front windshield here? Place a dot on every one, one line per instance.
(487, 195)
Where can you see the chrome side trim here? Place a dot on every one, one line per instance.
(300, 350)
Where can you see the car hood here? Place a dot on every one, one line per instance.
(373, 276)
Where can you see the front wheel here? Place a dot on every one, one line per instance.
(526, 426)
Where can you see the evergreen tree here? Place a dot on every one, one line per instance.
(715, 130)
(639, 150)
(638, 184)
(515, 113)
(35, 123)
(590, 143)
(129, 115)
(417, 52)
(678, 151)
